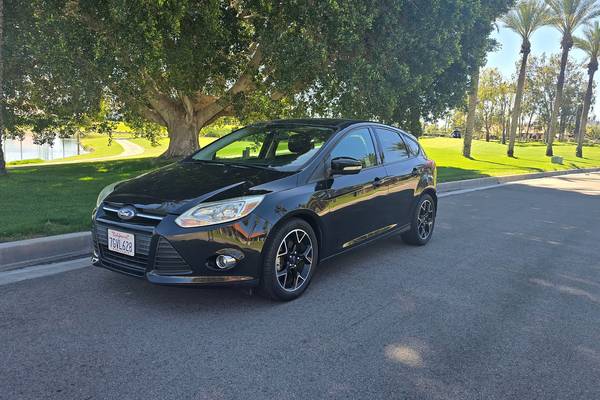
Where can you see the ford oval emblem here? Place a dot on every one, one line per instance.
(126, 213)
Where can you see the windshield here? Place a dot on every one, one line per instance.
(284, 148)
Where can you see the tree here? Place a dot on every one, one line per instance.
(184, 64)
(539, 97)
(506, 93)
(573, 93)
(493, 99)
(42, 92)
(590, 43)
(567, 16)
(524, 19)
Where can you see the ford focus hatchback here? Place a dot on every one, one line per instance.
(265, 204)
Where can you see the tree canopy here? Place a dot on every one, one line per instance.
(182, 64)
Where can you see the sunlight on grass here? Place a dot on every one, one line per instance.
(490, 159)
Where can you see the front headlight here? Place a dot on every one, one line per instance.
(218, 212)
(105, 192)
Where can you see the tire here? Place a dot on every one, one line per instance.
(419, 234)
(285, 258)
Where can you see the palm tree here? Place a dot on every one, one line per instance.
(590, 43)
(472, 108)
(524, 19)
(567, 16)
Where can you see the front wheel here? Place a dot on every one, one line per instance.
(290, 259)
(422, 222)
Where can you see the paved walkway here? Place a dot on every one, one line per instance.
(130, 149)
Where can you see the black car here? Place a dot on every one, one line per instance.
(265, 204)
(456, 134)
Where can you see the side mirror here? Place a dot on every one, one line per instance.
(345, 166)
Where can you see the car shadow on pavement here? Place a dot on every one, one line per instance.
(327, 277)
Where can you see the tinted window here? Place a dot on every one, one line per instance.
(392, 145)
(285, 148)
(358, 145)
(413, 146)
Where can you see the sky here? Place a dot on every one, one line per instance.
(544, 40)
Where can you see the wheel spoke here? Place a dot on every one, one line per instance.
(282, 275)
(298, 237)
(285, 249)
(307, 255)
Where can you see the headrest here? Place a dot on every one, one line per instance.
(299, 143)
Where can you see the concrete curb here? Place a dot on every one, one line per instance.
(497, 180)
(50, 249)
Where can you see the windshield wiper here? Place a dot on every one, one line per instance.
(231, 163)
(193, 160)
(242, 165)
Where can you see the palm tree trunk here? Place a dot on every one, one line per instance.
(577, 121)
(586, 107)
(518, 97)
(562, 125)
(567, 43)
(471, 113)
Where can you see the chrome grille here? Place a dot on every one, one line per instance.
(168, 261)
(111, 212)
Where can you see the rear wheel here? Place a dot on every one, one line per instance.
(422, 222)
(290, 260)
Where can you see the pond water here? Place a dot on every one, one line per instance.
(15, 150)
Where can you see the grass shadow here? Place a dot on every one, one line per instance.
(449, 174)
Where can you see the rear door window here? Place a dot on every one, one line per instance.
(393, 147)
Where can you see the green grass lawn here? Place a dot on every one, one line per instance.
(163, 143)
(489, 159)
(53, 199)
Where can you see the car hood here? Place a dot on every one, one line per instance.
(176, 187)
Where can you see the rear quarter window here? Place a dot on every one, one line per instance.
(412, 144)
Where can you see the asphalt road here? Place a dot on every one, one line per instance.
(504, 303)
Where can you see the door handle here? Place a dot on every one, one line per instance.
(377, 182)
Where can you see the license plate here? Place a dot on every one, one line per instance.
(121, 242)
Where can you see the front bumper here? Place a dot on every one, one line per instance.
(169, 255)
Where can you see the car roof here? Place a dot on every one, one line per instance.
(338, 123)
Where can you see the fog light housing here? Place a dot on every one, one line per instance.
(224, 261)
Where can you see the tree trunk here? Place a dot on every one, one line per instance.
(586, 107)
(567, 43)
(470, 125)
(2, 161)
(562, 126)
(577, 121)
(183, 139)
(516, 115)
(528, 126)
